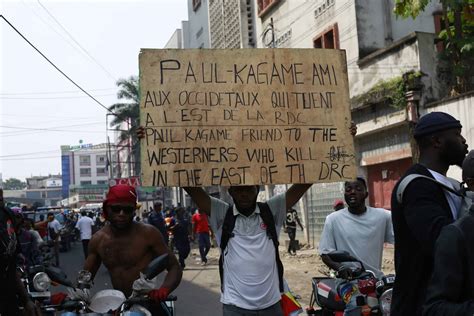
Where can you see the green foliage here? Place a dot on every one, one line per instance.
(14, 184)
(391, 91)
(457, 38)
(128, 113)
(409, 8)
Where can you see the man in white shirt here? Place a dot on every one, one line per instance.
(358, 229)
(84, 225)
(250, 284)
(53, 234)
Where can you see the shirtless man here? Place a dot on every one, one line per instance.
(126, 247)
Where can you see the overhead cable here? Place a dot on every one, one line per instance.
(49, 61)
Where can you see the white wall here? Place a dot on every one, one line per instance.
(175, 40)
(423, 23)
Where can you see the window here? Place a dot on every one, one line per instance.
(196, 4)
(328, 39)
(102, 182)
(85, 172)
(101, 171)
(86, 182)
(264, 6)
(84, 160)
(101, 159)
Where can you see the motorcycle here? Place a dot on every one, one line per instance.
(106, 302)
(374, 294)
(38, 279)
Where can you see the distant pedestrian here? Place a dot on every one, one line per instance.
(28, 242)
(42, 226)
(290, 227)
(181, 233)
(200, 223)
(338, 205)
(28, 226)
(84, 225)
(156, 219)
(53, 235)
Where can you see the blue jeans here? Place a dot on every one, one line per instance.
(204, 245)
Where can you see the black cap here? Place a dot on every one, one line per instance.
(435, 122)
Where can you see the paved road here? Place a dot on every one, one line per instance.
(198, 294)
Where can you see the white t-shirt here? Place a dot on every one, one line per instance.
(84, 224)
(453, 200)
(250, 270)
(55, 225)
(363, 236)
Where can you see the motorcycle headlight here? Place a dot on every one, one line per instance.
(386, 301)
(41, 281)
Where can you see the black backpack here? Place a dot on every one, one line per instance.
(227, 233)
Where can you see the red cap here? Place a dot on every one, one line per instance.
(338, 202)
(119, 194)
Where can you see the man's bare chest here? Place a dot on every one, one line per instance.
(122, 253)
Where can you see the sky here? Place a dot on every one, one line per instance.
(92, 42)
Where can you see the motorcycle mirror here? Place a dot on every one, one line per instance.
(156, 266)
(58, 276)
(341, 256)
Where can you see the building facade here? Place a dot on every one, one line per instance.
(383, 53)
(84, 173)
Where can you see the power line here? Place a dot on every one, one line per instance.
(27, 130)
(35, 158)
(77, 43)
(51, 128)
(26, 154)
(51, 116)
(55, 92)
(72, 81)
(52, 98)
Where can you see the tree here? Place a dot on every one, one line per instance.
(126, 119)
(13, 184)
(457, 37)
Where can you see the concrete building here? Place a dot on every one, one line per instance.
(383, 53)
(42, 190)
(84, 173)
(220, 24)
(196, 32)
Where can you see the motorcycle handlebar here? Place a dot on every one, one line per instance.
(144, 299)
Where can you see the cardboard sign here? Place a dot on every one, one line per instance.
(244, 117)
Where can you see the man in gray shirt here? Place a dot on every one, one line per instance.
(358, 229)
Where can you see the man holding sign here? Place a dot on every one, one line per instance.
(241, 119)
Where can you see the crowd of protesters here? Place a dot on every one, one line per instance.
(431, 224)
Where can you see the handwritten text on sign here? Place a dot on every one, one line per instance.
(247, 116)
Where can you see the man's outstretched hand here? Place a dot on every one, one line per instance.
(160, 294)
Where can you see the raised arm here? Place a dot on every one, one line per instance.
(294, 193)
(201, 198)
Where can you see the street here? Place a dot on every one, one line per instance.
(198, 292)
